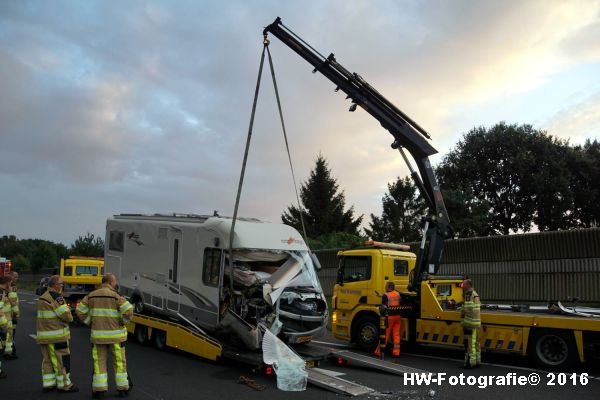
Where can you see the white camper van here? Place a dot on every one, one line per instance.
(177, 266)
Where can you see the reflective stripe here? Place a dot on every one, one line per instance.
(122, 380)
(112, 334)
(59, 333)
(46, 314)
(54, 361)
(95, 359)
(48, 380)
(3, 321)
(12, 295)
(120, 373)
(87, 320)
(104, 312)
(82, 308)
(118, 358)
(100, 381)
(125, 307)
(62, 309)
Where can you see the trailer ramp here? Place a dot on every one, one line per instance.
(367, 361)
(327, 380)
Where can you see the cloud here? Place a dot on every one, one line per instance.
(144, 106)
(577, 122)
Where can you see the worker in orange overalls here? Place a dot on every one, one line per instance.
(390, 306)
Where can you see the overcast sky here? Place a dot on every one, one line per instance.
(111, 107)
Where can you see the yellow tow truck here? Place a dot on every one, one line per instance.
(556, 338)
(555, 341)
(81, 275)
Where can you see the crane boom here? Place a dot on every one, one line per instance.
(406, 132)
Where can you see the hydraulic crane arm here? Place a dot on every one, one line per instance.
(406, 132)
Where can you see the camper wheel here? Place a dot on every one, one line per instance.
(159, 338)
(138, 304)
(141, 334)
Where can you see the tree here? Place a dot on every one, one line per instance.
(43, 257)
(469, 216)
(585, 165)
(323, 206)
(88, 246)
(400, 220)
(21, 263)
(519, 174)
(336, 240)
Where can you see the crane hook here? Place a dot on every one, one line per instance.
(265, 40)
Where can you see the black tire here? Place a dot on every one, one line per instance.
(138, 305)
(366, 333)
(141, 334)
(553, 350)
(159, 339)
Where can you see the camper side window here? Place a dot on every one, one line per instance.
(212, 266)
(116, 241)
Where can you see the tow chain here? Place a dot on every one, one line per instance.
(251, 383)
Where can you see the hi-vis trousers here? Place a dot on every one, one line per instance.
(472, 347)
(7, 343)
(56, 366)
(100, 378)
(393, 329)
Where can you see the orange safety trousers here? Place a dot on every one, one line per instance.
(394, 327)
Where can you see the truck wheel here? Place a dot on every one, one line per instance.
(141, 334)
(553, 350)
(159, 338)
(366, 333)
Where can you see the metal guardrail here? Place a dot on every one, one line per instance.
(526, 268)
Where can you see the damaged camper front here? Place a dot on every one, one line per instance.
(275, 289)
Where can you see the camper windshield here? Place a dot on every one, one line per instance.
(279, 268)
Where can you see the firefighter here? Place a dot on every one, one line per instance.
(107, 312)
(390, 306)
(3, 319)
(471, 322)
(13, 298)
(53, 318)
(7, 310)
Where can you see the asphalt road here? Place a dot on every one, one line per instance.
(175, 375)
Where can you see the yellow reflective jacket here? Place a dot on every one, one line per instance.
(3, 319)
(13, 297)
(6, 306)
(470, 313)
(53, 317)
(107, 312)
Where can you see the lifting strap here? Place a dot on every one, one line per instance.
(248, 138)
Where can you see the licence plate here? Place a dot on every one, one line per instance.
(303, 339)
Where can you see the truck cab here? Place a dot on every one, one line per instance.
(362, 276)
(81, 275)
(81, 272)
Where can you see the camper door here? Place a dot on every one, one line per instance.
(173, 286)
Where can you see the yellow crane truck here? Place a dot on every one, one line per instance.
(556, 342)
